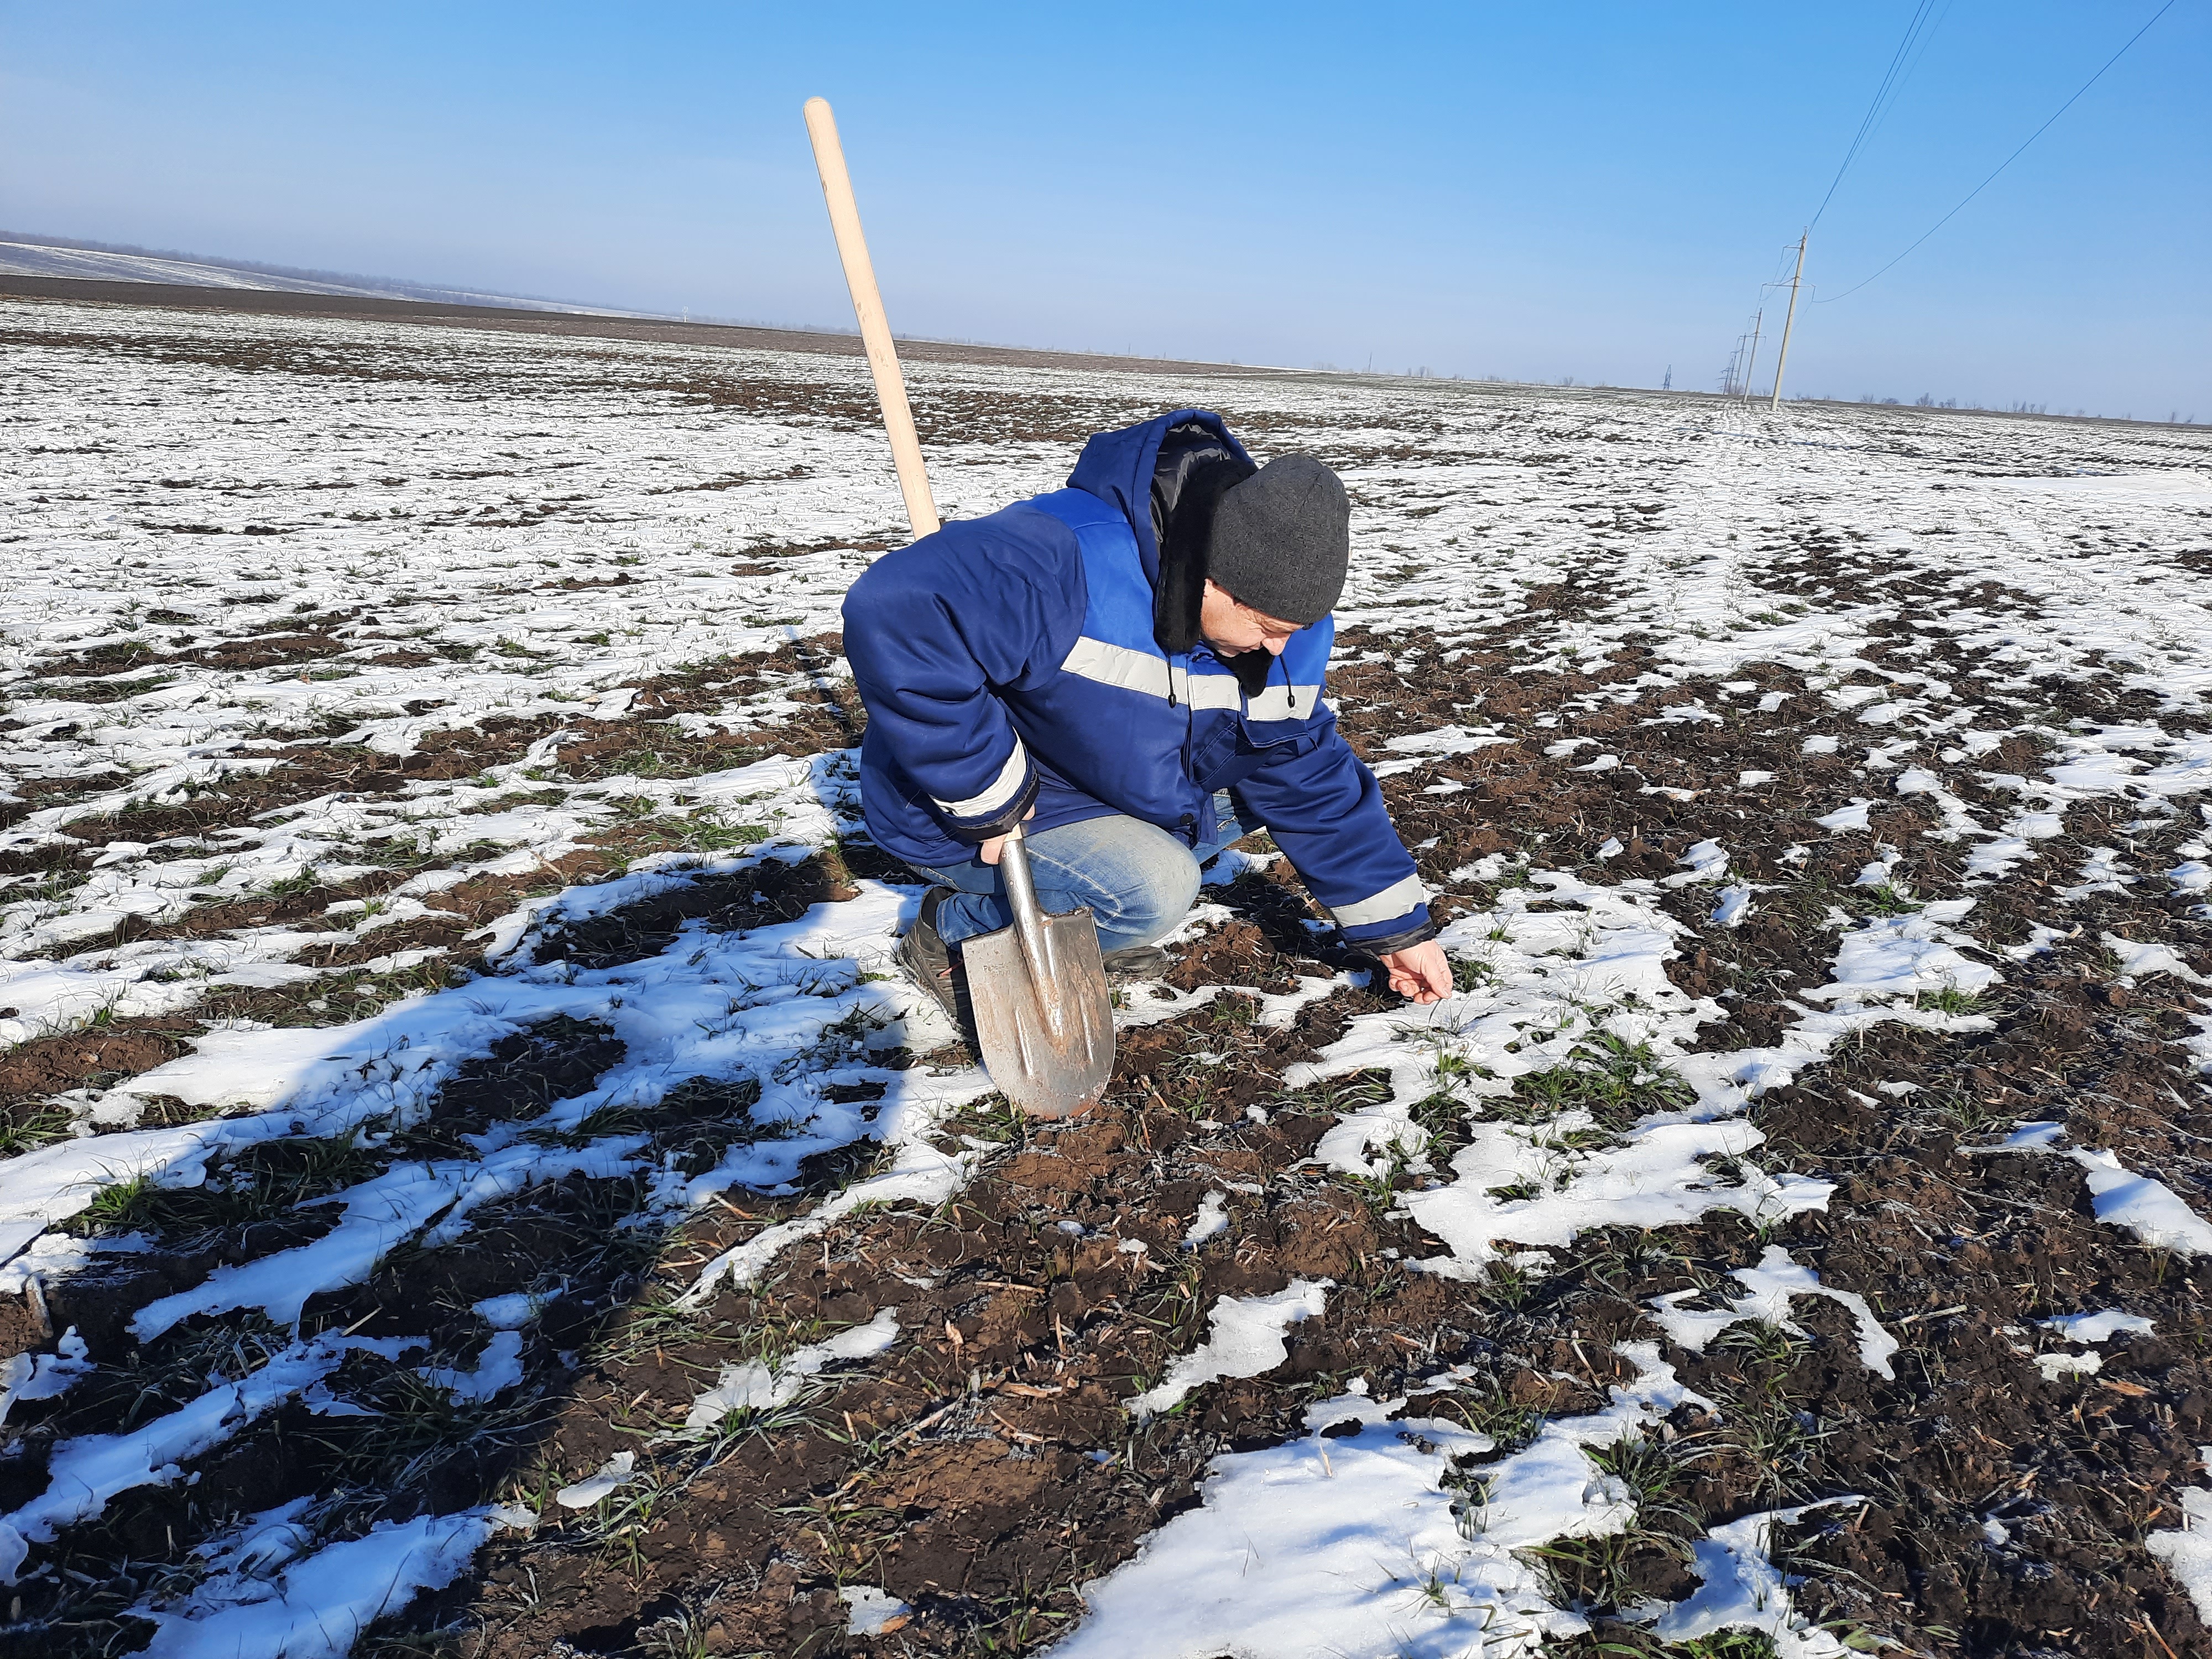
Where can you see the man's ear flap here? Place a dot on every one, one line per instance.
(1181, 587)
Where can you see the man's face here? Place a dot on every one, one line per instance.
(1232, 629)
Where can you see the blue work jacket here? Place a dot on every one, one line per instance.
(1011, 660)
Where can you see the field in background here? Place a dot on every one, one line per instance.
(471, 1176)
(93, 261)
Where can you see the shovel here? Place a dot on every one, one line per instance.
(1037, 989)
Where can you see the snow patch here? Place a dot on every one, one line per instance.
(757, 1386)
(83, 1474)
(2101, 1326)
(1374, 1544)
(498, 1369)
(870, 1610)
(1245, 1338)
(2138, 958)
(2187, 1550)
(317, 1608)
(28, 1376)
(611, 1475)
(1768, 1288)
(1904, 956)
(2118, 1196)
(1743, 1589)
(1212, 1218)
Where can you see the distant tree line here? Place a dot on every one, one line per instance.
(1928, 400)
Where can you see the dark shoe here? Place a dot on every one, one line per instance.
(927, 960)
(1138, 962)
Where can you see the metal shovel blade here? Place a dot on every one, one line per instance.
(1037, 990)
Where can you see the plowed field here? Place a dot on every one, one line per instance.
(471, 1182)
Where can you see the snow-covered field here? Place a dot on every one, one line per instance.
(473, 1178)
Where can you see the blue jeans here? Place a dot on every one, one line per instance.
(1138, 880)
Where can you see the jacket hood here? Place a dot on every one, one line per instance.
(1121, 467)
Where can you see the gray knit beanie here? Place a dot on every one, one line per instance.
(1282, 540)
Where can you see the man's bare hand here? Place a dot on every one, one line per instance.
(1421, 972)
(988, 851)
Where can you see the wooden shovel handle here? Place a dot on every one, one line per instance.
(868, 306)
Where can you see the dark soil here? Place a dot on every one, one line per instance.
(115, 1049)
(769, 892)
(520, 320)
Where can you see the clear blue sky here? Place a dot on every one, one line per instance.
(1530, 190)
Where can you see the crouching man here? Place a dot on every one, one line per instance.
(1132, 667)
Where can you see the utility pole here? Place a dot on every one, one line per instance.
(1783, 362)
(1749, 367)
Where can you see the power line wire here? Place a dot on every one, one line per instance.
(1919, 54)
(2010, 159)
(1891, 81)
